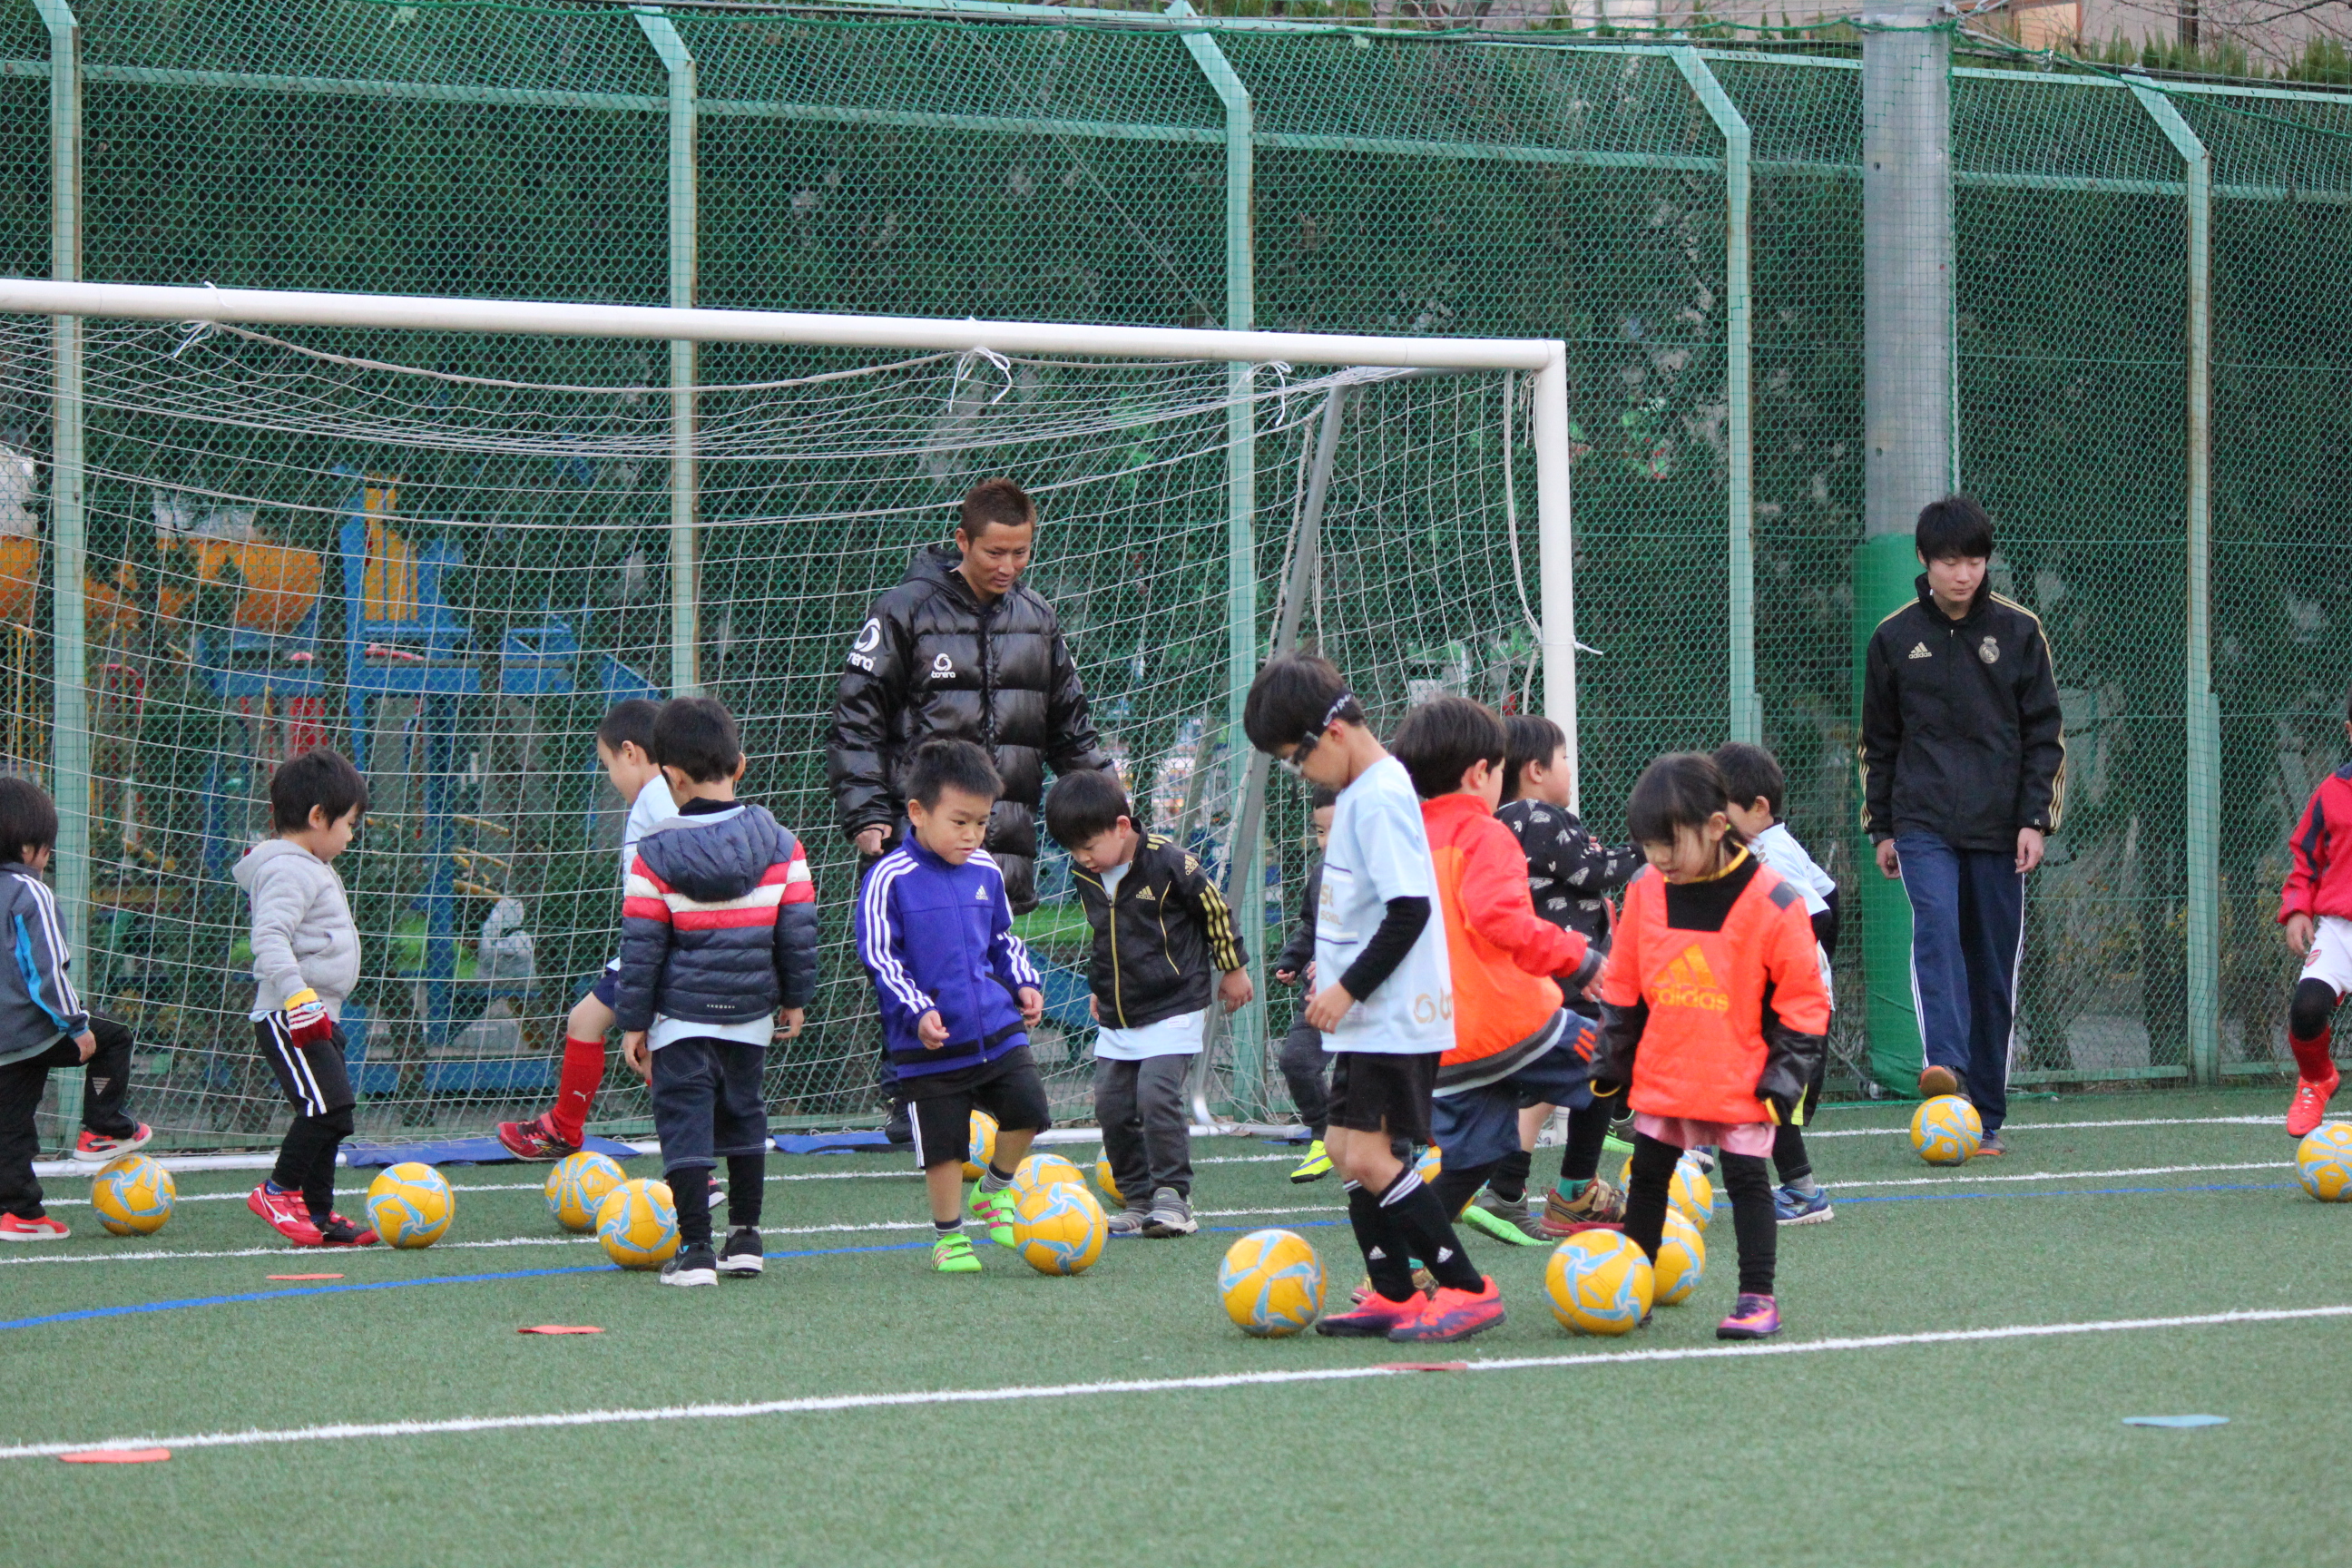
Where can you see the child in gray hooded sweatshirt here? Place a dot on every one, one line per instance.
(305, 960)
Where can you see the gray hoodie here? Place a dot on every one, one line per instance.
(303, 934)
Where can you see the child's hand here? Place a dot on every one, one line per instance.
(1235, 990)
(931, 1030)
(1330, 1005)
(87, 1044)
(1033, 1005)
(1285, 977)
(789, 1021)
(1093, 1008)
(633, 1052)
(2298, 934)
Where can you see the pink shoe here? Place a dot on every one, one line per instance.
(1372, 1318)
(99, 1147)
(284, 1213)
(1752, 1318)
(1453, 1314)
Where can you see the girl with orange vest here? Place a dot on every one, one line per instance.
(1713, 1017)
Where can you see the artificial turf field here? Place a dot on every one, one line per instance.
(1996, 1450)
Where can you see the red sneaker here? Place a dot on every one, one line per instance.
(41, 1229)
(283, 1213)
(341, 1232)
(534, 1139)
(2305, 1113)
(98, 1147)
(1372, 1317)
(1453, 1314)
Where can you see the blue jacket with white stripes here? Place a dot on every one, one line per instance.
(935, 936)
(38, 1007)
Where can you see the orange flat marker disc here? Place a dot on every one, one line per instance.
(558, 1329)
(116, 1455)
(1424, 1366)
(306, 1277)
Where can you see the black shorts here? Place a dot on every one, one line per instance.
(607, 989)
(1374, 1091)
(311, 1077)
(1008, 1088)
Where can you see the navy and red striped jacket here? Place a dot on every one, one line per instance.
(2319, 853)
(718, 921)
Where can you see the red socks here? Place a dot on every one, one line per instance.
(2311, 1061)
(576, 1089)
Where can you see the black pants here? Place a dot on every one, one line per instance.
(1302, 1062)
(106, 1080)
(1752, 1219)
(315, 1083)
(1147, 1134)
(1789, 1156)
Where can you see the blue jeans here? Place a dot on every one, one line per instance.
(1968, 926)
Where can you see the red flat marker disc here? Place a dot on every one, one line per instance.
(558, 1329)
(306, 1277)
(116, 1455)
(1424, 1366)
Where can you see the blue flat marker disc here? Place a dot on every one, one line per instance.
(2176, 1421)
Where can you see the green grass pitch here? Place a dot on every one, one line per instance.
(2001, 1451)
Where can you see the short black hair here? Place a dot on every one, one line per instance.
(1751, 773)
(1083, 806)
(1294, 696)
(629, 722)
(1321, 799)
(951, 765)
(995, 503)
(1444, 738)
(1954, 526)
(1682, 789)
(28, 818)
(321, 777)
(697, 736)
(1531, 738)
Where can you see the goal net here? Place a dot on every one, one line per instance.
(446, 553)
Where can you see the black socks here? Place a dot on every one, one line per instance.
(1509, 1181)
(1384, 1252)
(1416, 1217)
(746, 1176)
(690, 1192)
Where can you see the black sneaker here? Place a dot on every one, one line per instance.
(741, 1257)
(695, 1266)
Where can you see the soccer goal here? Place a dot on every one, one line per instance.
(444, 535)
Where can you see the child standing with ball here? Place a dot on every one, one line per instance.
(1713, 1017)
(2315, 907)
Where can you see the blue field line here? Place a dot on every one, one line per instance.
(143, 1308)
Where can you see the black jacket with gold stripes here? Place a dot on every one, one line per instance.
(1161, 940)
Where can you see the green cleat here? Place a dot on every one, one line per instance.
(1316, 1166)
(953, 1255)
(993, 1212)
(1504, 1222)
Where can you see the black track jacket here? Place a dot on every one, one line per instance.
(1156, 944)
(1961, 735)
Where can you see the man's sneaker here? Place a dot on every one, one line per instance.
(1935, 1080)
(1127, 1224)
(1452, 1314)
(1314, 1167)
(1371, 1317)
(993, 1210)
(1505, 1222)
(534, 1139)
(1790, 1206)
(1990, 1147)
(1170, 1216)
(953, 1255)
(42, 1229)
(341, 1232)
(284, 1213)
(1752, 1318)
(98, 1147)
(695, 1266)
(2302, 1113)
(742, 1258)
(1598, 1204)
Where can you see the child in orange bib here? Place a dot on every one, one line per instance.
(1713, 1017)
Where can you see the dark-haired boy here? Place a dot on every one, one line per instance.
(305, 960)
(1756, 787)
(957, 992)
(1302, 1048)
(1964, 777)
(1384, 1004)
(2316, 907)
(43, 1024)
(718, 939)
(1160, 927)
(625, 748)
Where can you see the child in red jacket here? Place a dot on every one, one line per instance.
(1713, 1016)
(2317, 910)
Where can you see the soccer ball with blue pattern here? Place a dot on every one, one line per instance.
(1682, 1260)
(411, 1204)
(1271, 1283)
(637, 1223)
(1059, 1229)
(1599, 1283)
(576, 1188)
(133, 1195)
(2323, 1163)
(1946, 1129)
(1039, 1172)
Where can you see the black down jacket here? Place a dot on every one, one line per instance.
(932, 663)
(717, 919)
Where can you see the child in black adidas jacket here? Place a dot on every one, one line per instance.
(1159, 926)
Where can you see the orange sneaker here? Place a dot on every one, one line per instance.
(1373, 1318)
(2304, 1111)
(1453, 1315)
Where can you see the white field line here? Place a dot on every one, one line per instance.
(814, 1404)
(1898, 1129)
(2059, 1175)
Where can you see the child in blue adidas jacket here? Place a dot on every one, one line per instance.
(957, 992)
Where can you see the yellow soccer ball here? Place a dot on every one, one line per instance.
(1691, 1195)
(133, 1195)
(1599, 1283)
(637, 1223)
(1271, 1283)
(411, 1204)
(981, 1145)
(577, 1185)
(1041, 1171)
(1103, 1179)
(1059, 1229)
(1682, 1260)
(1945, 1130)
(2322, 1161)
(1432, 1162)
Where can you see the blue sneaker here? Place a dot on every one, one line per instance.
(1790, 1206)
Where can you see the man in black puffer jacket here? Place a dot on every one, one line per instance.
(960, 651)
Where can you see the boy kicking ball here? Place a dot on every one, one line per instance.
(2315, 907)
(956, 993)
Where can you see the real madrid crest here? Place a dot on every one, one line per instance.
(1989, 651)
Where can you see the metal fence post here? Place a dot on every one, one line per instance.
(685, 562)
(2202, 830)
(1747, 704)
